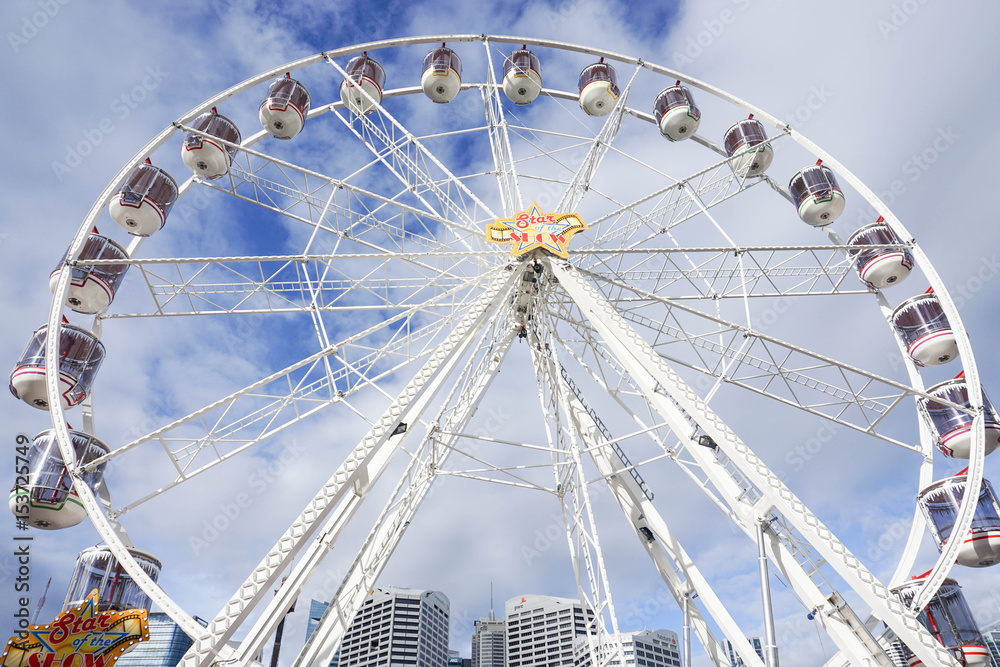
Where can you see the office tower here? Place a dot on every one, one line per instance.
(648, 648)
(991, 635)
(489, 643)
(542, 630)
(893, 648)
(398, 626)
(455, 661)
(734, 659)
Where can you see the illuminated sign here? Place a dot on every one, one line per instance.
(78, 637)
(533, 229)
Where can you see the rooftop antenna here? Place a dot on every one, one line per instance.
(491, 601)
(41, 601)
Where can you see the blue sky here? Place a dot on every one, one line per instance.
(903, 93)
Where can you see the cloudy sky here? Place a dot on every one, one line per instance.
(901, 92)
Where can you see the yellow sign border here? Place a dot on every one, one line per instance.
(532, 229)
(78, 631)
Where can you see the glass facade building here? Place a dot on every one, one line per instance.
(316, 609)
(734, 659)
(991, 636)
(165, 647)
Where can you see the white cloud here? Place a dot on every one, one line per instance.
(878, 99)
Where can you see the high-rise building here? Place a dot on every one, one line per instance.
(489, 642)
(316, 610)
(734, 659)
(893, 647)
(165, 647)
(454, 660)
(991, 635)
(399, 627)
(542, 630)
(648, 648)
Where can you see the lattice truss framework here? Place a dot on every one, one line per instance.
(396, 248)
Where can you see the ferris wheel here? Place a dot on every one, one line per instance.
(635, 235)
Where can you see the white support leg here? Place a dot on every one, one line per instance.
(395, 517)
(604, 650)
(676, 402)
(664, 549)
(351, 474)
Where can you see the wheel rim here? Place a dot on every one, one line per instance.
(475, 252)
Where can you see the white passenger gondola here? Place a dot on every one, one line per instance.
(92, 288)
(442, 77)
(522, 76)
(48, 501)
(879, 267)
(202, 153)
(746, 144)
(948, 618)
(598, 88)
(951, 427)
(283, 113)
(817, 195)
(363, 74)
(80, 356)
(939, 503)
(96, 567)
(142, 205)
(676, 113)
(921, 324)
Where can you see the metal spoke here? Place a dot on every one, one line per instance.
(402, 288)
(503, 157)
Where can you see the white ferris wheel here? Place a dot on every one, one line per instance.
(634, 235)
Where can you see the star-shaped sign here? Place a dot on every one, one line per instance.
(78, 636)
(534, 229)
